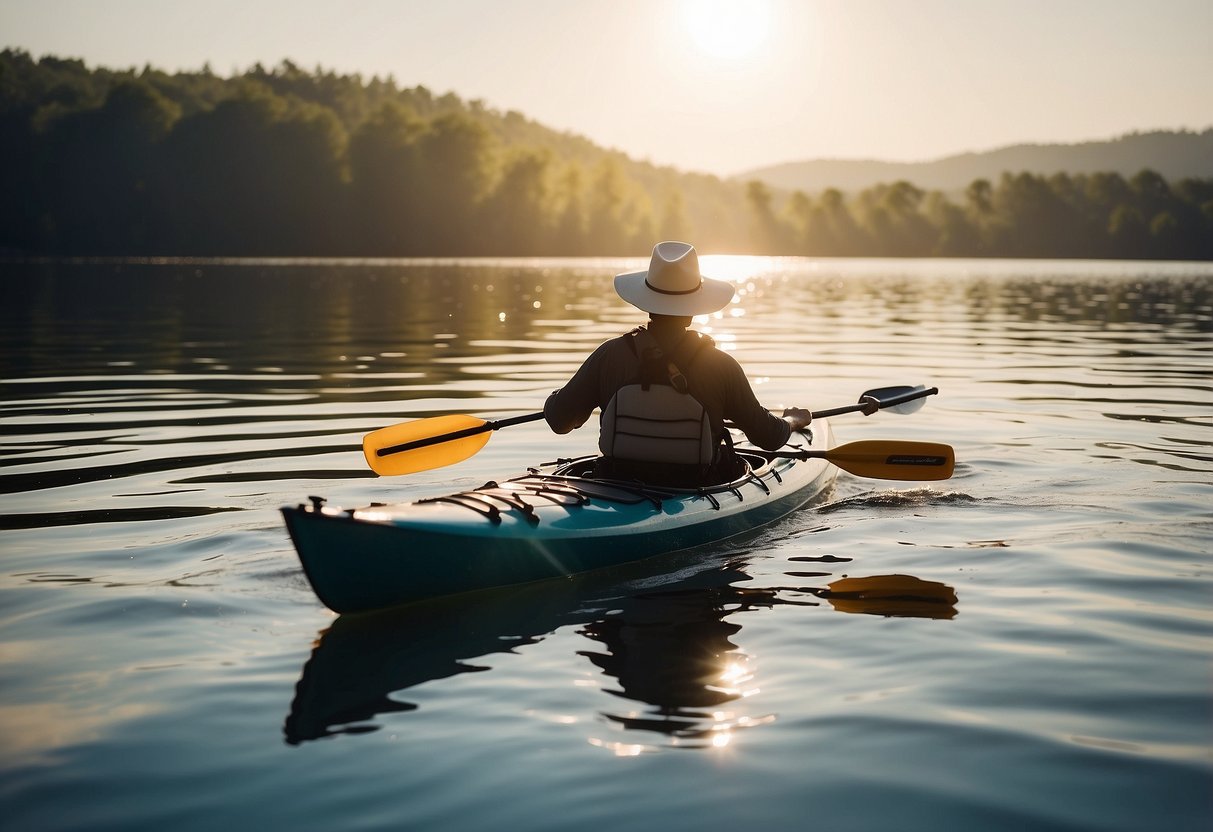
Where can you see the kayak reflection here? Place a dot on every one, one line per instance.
(670, 648)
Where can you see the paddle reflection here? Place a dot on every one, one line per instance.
(674, 651)
(894, 596)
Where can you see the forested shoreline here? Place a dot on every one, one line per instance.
(287, 162)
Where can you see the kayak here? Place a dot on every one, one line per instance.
(558, 520)
(549, 522)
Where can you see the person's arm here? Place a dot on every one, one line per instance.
(761, 426)
(570, 406)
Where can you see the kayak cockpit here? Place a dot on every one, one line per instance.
(571, 483)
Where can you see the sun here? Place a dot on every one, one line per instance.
(727, 29)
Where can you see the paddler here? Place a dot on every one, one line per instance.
(665, 391)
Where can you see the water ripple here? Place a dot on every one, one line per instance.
(1023, 647)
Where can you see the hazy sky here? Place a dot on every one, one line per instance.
(701, 84)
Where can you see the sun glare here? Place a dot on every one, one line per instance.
(726, 28)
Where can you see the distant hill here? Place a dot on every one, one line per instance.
(1174, 154)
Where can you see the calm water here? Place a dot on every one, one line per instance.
(1044, 662)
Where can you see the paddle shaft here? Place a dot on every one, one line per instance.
(459, 434)
(883, 403)
(534, 417)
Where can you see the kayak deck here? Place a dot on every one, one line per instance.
(535, 526)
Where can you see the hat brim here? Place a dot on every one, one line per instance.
(710, 296)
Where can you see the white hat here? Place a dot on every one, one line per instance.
(673, 285)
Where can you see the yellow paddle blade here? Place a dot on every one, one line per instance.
(885, 459)
(436, 442)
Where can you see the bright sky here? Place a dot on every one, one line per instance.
(707, 85)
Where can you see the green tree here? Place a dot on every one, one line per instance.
(639, 223)
(310, 181)
(979, 210)
(384, 164)
(955, 234)
(454, 155)
(607, 233)
(1195, 198)
(96, 167)
(1151, 191)
(797, 220)
(1076, 233)
(254, 176)
(1103, 194)
(766, 235)
(892, 219)
(517, 218)
(1030, 219)
(1128, 232)
(844, 232)
(572, 224)
(674, 223)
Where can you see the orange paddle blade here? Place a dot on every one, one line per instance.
(435, 442)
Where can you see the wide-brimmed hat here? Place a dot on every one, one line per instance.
(672, 285)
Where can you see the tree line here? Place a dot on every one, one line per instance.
(290, 162)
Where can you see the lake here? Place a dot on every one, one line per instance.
(1044, 662)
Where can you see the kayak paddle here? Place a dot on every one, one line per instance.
(883, 459)
(903, 400)
(425, 444)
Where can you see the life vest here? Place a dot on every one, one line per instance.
(655, 421)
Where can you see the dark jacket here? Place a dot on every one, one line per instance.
(714, 378)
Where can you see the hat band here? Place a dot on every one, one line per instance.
(673, 291)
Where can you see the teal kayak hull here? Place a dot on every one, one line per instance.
(540, 525)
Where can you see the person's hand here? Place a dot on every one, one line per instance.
(797, 417)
